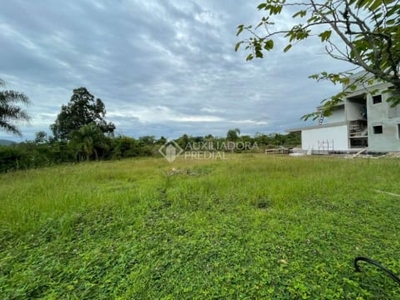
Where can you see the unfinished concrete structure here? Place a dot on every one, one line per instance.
(363, 119)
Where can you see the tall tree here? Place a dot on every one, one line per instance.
(41, 137)
(10, 111)
(233, 134)
(81, 110)
(185, 142)
(364, 33)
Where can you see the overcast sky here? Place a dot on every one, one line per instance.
(161, 67)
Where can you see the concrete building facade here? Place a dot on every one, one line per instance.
(364, 119)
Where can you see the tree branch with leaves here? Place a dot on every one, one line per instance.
(364, 33)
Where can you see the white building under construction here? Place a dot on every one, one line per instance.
(364, 119)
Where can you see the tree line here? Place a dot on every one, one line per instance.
(45, 151)
(81, 133)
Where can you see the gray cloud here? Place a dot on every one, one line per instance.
(162, 68)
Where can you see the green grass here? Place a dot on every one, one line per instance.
(249, 227)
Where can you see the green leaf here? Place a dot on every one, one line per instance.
(238, 46)
(391, 22)
(287, 48)
(325, 35)
(269, 45)
(249, 57)
(314, 76)
(300, 13)
(314, 19)
(240, 29)
(375, 5)
(259, 24)
(346, 80)
(261, 6)
(353, 87)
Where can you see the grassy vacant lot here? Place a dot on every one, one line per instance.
(249, 227)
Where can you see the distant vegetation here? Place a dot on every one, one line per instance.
(81, 133)
(89, 144)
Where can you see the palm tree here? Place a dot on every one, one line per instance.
(86, 140)
(9, 111)
(233, 134)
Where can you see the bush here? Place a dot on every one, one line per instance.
(10, 158)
